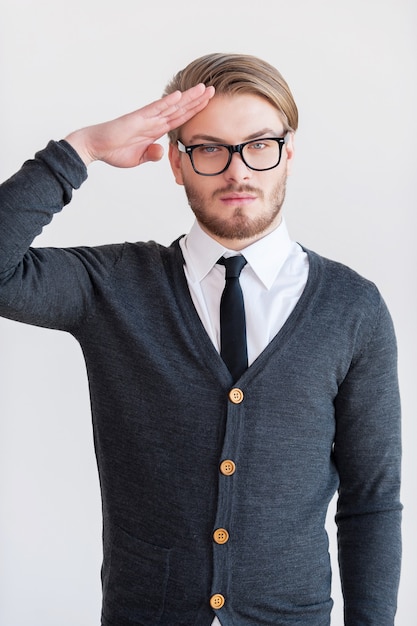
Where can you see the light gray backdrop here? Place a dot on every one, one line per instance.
(352, 68)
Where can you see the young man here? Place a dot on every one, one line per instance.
(216, 478)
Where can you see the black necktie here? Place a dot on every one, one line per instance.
(233, 348)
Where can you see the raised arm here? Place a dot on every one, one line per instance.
(53, 287)
(129, 140)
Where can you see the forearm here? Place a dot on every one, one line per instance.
(45, 287)
(30, 198)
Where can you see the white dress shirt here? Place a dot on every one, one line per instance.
(272, 281)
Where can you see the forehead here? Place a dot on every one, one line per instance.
(233, 118)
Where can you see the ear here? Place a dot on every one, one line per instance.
(175, 161)
(290, 148)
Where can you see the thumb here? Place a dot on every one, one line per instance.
(154, 152)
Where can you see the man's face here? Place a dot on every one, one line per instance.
(240, 205)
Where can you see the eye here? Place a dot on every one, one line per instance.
(209, 149)
(258, 145)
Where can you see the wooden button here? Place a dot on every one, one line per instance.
(227, 467)
(217, 601)
(236, 395)
(221, 536)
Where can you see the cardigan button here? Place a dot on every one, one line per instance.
(221, 536)
(236, 395)
(227, 467)
(217, 601)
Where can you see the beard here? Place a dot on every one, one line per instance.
(239, 225)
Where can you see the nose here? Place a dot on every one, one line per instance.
(237, 170)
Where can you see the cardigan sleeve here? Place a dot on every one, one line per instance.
(49, 287)
(30, 198)
(367, 453)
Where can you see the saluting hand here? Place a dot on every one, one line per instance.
(129, 140)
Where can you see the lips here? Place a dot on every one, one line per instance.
(237, 198)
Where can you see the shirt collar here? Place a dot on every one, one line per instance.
(266, 256)
(201, 252)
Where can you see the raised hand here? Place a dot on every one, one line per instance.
(130, 140)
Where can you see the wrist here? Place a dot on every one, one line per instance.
(77, 141)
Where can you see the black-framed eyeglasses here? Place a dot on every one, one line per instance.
(211, 159)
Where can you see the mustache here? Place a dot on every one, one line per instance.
(238, 189)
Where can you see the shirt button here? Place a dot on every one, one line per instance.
(236, 395)
(217, 601)
(221, 536)
(227, 467)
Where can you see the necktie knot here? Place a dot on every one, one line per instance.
(233, 265)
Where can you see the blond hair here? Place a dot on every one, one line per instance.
(238, 74)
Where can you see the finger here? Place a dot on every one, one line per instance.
(191, 107)
(183, 110)
(190, 100)
(177, 103)
(196, 93)
(172, 100)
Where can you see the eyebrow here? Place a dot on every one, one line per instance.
(212, 139)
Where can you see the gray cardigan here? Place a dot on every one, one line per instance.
(180, 457)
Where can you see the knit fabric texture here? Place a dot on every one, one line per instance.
(318, 411)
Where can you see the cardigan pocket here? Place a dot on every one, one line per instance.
(134, 579)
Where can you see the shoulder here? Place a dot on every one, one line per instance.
(340, 281)
(152, 253)
(148, 263)
(345, 298)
